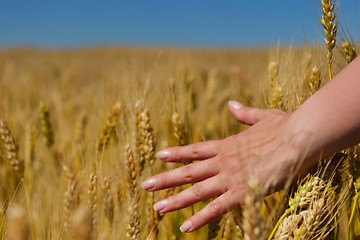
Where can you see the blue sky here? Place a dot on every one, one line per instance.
(194, 23)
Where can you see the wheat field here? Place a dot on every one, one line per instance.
(79, 130)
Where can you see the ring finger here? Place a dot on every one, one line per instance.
(198, 192)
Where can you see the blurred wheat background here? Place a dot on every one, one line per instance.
(79, 130)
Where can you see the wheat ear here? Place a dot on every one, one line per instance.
(330, 30)
(108, 200)
(276, 100)
(109, 129)
(253, 226)
(287, 226)
(349, 51)
(145, 139)
(93, 197)
(228, 227)
(79, 137)
(45, 125)
(71, 199)
(213, 229)
(133, 226)
(178, 129)
(305, 194)
(30, 142)
(354, 170)
(312, 218)
(315, 80)
(10, 148)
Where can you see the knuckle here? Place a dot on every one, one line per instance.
(215, 208)
(198, 191)
(187, 172)
(194, 152)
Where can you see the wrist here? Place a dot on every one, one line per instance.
(304, 142)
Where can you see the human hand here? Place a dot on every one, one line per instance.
(268, 150)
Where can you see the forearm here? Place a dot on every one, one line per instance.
(332, 115)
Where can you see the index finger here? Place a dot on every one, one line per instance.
(196, 151)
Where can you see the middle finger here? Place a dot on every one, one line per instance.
(190, 173)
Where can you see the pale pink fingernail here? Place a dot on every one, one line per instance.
(186, 226)
(164, 154)
(160, 205)
(235, 105)
(149, 183)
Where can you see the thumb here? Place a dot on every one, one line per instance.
(247, 115)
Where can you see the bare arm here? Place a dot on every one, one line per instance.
(276, 142)
(333, 113)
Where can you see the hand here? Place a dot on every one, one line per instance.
(268, 150)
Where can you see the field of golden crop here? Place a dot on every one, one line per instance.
(79, 129)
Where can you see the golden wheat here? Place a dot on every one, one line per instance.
(330, 30)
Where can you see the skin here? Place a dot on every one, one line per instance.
(276, 144)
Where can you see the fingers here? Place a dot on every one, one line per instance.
(248, 115)
(196, 151)
(198, 192)
(191, 173)
(213, 210)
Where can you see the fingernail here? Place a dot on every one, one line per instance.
(235, 105)
(149, 183)
(160, 205)
(164, 154)
(187, 225)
